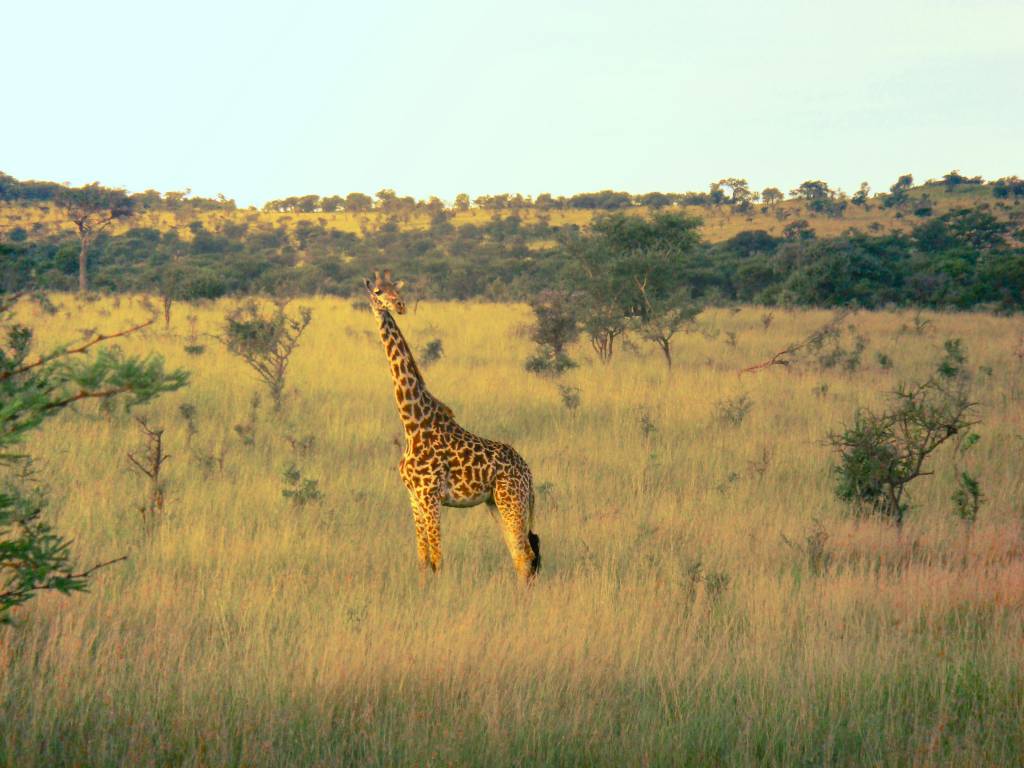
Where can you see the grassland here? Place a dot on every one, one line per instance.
(680, 618)
(718, 223)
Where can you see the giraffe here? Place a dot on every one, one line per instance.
(444, 464)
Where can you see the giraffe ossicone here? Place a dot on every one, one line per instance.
(444, 464)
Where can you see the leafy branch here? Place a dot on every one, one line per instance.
(33, 388)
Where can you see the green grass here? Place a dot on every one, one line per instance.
(677, 621)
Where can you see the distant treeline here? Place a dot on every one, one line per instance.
(732, 192)
(965, 258)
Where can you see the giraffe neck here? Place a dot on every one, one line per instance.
(415, 403)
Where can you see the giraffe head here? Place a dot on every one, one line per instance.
(384, 293)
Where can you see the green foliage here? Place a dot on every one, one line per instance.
(880, 454)
(33, 388)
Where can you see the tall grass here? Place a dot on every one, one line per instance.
(684, 616)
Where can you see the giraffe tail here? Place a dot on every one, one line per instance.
(533, 538)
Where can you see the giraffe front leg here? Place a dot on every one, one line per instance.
(431, 508)
(427, 517)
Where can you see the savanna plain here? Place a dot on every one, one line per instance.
(705, 598)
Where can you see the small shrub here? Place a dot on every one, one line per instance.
(570, 397)
(759, 466)
(266, 342)
(432, 352)
(918, 326)
(150, 464)
(555, 328)
(831, 351)
(733, 411)
(549, 363)
(298, 489)
(967, 498)
(814, 548)
(188, 413)
(884, 361)
(647, 426)
(301, 446)
(246, 431)
(716, 583)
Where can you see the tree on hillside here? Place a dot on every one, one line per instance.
(1008, 185)
(546, 202)
(655, 200)
(860, 197)
(462, 202)
(812, 191)
(771, 196)
(357, 202)
(954, 179)
(898, 196)
(739, 191)
(307, 203)
(92, 209)
(332, 203)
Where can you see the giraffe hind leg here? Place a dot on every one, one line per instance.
(513, 502)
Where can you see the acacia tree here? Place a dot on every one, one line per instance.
(740, 193)
(624, 264)
(33, 388)
(92, 209)
(663, 316)
(771, 196)
(881, 453)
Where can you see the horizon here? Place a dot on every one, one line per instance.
(261, 105)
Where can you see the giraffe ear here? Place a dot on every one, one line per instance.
(368, 285)
(399, 285)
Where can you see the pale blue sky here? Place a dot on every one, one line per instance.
(260, 101)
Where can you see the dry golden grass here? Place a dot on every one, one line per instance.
(678, 619)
